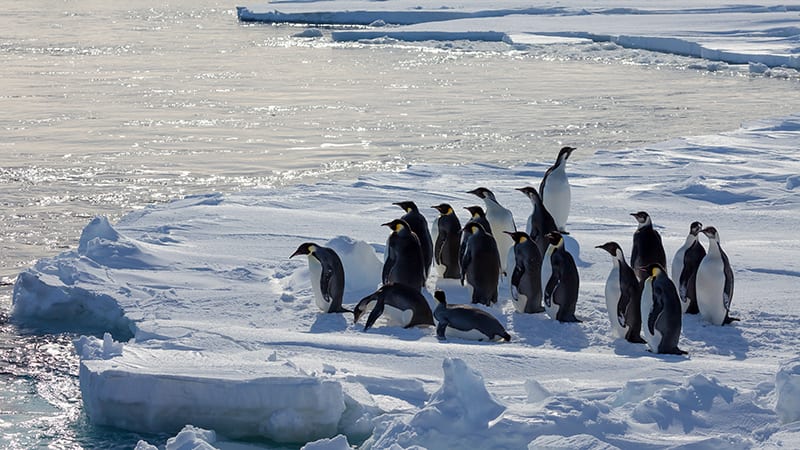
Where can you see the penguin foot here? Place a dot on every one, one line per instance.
(730, 319)
(636, 340)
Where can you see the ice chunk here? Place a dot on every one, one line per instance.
(89, 347)
(787, 388)
(576, 442)
(337, 443)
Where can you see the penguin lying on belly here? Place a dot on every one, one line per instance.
(466, 322)
(402, 305)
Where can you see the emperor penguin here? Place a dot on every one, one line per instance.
(623, 297)
(501, 220)
(661, 311)
(526, 280)
(647, 246)
(403, 306)
(540, 222)
(419, 225)
(684, 268)
(715, 282)
(446, 236)
(560, 280)
(327, 276)
(466, 322)
(555, 189)
(476, 214)
(480, 265)
(404, 263)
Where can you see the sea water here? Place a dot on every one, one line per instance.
(107, 107)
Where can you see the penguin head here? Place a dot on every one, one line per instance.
(475, 211)
(554, 238)
(307, 248)
(643, 218)
(653, 270)
(364, 303)
(407, 206)
(443, 209)
(612, 248)
(440, 297)
(695, 228)
(397, 225)
(711, 233)
(564, 153)
(473, 227)
(518, 236)
(530, 192)
(483, 193)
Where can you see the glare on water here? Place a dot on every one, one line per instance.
(109, 106)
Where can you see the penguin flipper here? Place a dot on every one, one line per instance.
(465, 262)
(376, 312)
(550, 289)
(440, 330)
(655, 313)
(516, 277)
(388, 265)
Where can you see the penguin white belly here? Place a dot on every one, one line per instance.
(613, 292)
(470, 335)
(547, 272)
(529, 225)
(557, 196)
(397, 317)
(710, 289)
(315, 273)
(520, 302)
(652, 339)
(501, 219)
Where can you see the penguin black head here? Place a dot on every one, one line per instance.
(473, 227)
(443, 208)
(396, 225)
(554, 238)
(564, 153)
(530, 192)
(642, 217)
(440, 297)
(653, 269)
(483, 193)
(611, 247)
(695, 228)
(407, 206)
(710, 232)
(475, 211)
(518, 236)
(305, 249)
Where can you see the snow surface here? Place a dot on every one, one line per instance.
(217, 327)
(761, 33)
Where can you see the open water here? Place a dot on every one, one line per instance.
(106, 107)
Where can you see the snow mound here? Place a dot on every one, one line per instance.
(787, 387)
(101, 243)
(89, 347)
(577, 442)
(362, 268)
(337, 443)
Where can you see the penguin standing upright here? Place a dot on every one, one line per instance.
(480, 265)
(623, 297)
(501, 220)
(419, 225)
(476, 214)
(327, 276)
(404, 262)
(715, 282)
(647, 246)
(403, 306)
(555, 189)
(684, 268)
(446, 236)
(560, 280)
(661, 311)
(466, 322)
(526, 280)
(540, 222)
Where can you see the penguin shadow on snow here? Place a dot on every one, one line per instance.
(538, 330)
(723, 340)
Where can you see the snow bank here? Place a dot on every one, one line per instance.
(733, 32)
(189, 438)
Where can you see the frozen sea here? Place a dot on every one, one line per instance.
(108, 108)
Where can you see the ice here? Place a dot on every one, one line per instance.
(787, 387)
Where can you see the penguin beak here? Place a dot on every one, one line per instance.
(296, 252)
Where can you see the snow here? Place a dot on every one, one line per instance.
(761, 33)
(210, 332)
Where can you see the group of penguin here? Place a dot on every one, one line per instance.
(644, 304)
